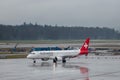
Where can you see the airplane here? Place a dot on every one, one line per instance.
(56, 55)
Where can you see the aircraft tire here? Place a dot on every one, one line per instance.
(63, 61)
(54, 61)
(34, 61)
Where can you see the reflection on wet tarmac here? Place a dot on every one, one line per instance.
(83, 70)
(24, 69)
(53, 66)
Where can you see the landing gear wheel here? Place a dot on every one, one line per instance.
(55, 60)
(63, 61)
(34, 61)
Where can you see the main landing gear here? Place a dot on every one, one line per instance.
(63, 60)
(34, 61)
(55, 60)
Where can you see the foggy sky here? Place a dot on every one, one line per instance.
(104, 13)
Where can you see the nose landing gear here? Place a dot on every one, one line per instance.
(34, 61)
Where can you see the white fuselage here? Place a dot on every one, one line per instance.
(52, 54)
(56, 55)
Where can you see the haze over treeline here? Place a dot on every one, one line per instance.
(49, 32)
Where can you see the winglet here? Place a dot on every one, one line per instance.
(84, 48)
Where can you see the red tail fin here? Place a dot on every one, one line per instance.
(84, 48)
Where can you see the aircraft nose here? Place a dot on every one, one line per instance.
(29, 56)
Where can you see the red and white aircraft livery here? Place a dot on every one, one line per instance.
(56, 55)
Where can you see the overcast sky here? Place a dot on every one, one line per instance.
(61, 12)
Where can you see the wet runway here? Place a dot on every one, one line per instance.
(92, 68)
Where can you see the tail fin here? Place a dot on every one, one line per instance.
(84, 48)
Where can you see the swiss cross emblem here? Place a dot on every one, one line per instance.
(85, 45)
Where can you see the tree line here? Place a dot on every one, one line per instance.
(48, 32)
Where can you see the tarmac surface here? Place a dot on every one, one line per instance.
(82, 68)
